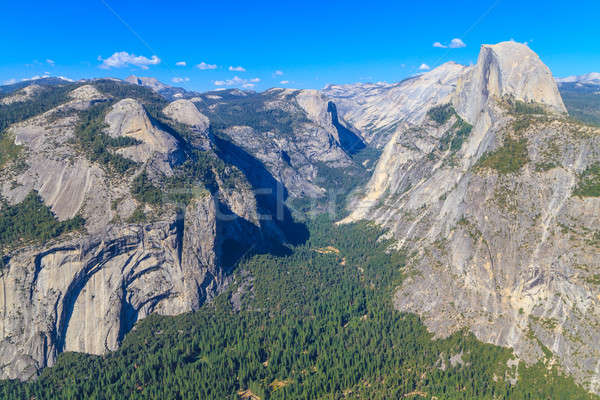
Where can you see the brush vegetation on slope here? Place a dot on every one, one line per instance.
(507, 159)
(9, 151)
(454, 138)
(144, 190)
(441, 114)
(521, 107)
(315, 324)
(589, 182)
(32, 221)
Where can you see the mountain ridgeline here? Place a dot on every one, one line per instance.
(181, 249)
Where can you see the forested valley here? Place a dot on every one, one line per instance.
(315, 323)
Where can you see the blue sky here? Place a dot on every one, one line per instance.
(303, 44)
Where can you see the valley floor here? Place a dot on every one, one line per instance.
(315, 322)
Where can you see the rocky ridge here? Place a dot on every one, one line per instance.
(500, 241)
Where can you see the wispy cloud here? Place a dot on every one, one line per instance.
(237, 81)
(180, 80)
(230, 82)
(455, 43)
(204, 66)
(284, 82)
(237, 69)
(123, 59)
(424, 67)
(181, 63)
(10, 81)
(51, 62)
(278, 72)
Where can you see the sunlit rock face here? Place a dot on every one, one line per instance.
(378, 109)
(511, 254)
(84, 291)
(507, 69)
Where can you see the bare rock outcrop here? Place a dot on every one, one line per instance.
(507, 69)
(185, 112)
(86, 293)
(128, 118)
(507, 252)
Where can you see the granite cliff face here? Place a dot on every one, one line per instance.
(506, 69)
(484, 194)
(86, 293)
(83, 291)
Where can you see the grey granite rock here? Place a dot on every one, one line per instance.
(510, 256)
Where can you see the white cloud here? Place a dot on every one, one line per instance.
(237, 81)
(456, 43)
(278, 72)
(423, 67)
(204, 66)
(181, 63)
(123, 59)
(10, 81)
(284, 82)
(180, 80)
(237, 69)
(51, 62)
